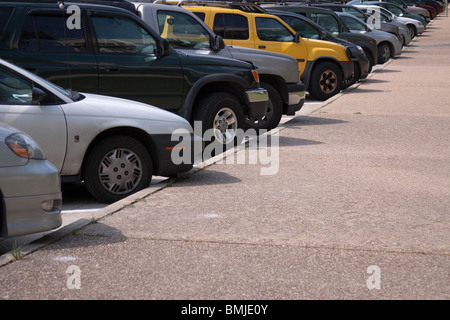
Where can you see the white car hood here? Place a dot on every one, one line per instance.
(100, 106)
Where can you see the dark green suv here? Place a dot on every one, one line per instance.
(110, 51)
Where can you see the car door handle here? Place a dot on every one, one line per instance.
(112, 69)
(261, 47)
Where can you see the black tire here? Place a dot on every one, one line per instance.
(274, 111)
(412, 30)
(222, 113)
(326, 81)
(384, 53)
(117, 167)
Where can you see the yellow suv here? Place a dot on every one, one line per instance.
(324, 65)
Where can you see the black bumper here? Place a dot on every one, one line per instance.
(172, 157)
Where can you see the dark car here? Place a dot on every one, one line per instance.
(413, 3)
(344, 8)
(111, 51)
(307, 28)
(328, 20)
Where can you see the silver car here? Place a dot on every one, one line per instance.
(384, 17)
(30, 188)
(388, 44)
(113, 145)
(414, 27)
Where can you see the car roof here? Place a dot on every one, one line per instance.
(88, 4)
(293, 14)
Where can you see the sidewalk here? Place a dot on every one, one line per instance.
(359, 209)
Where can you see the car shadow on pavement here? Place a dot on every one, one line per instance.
(291, 142)
(384, 70)
(204, 178)
(82, 233)
(95, 233)
(403, 57)
(372, 80)
(363, 90)
(300, 121)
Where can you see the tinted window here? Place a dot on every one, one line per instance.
(394, 9)
(49, 33)
(13, 89)
(200, 15)
(303, 28)
(5, 15)
(231, 26)
(353, 24)
(326, 21)
(354, 12)
(269, 29)
(122, 35)
(182, 30)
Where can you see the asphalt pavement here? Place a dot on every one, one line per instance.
(349, 199)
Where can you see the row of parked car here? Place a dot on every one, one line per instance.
(93, 91)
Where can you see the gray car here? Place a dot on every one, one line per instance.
(186, 33)
(414, 27)
(384, 17)
(30, 188)
(388, 44)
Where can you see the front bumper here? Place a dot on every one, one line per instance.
(347, 69)
(296, 98)
(258, 100)
(177, 152)
(420, 29)
(26, 189)
(360, 59)
(397, 48)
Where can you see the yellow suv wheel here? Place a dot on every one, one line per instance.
(326, 81)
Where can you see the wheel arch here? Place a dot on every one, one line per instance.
(232, 84)
(132, 132)
(279, 84)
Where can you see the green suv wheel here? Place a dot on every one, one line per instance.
(220, 116)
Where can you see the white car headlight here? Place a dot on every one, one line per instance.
(23, 146)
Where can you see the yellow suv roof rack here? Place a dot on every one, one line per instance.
(243, 6)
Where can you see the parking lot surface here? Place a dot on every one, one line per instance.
(354, 204)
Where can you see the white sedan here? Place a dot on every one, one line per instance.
(113, 145)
